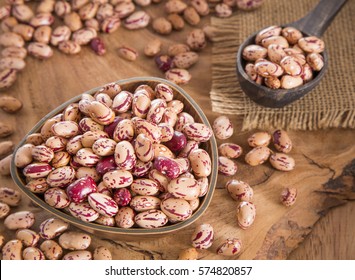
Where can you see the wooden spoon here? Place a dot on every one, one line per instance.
(313, 24)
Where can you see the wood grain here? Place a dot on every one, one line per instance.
(324, 173)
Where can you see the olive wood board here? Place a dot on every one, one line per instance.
(324, 173)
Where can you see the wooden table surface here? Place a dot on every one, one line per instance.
(319, 226)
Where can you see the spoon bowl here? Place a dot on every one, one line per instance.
(313, 24)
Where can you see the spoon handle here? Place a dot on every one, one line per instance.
(317, 21)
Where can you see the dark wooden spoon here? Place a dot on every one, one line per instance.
(313, 24)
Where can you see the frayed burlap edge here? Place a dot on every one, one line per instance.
(228, 98)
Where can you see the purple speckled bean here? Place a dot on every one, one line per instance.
(86, 157)
(141, 169)
(37, 170)
(230, 150)
(141, 203)
(197, 131)
(61, 177)
(125, 157)
(167, 166)
(12, 250)
(79, 190)
(164, 92)
(281, 161)
(122, 196)
(246, 212)
(28, 237)
(51, 249)
(122, 102)
(223, 127)
(151, 130)
(282, 141)
(156, 111)
(145, 186)
(227, 166)
(10, 196)
(125, 217)
(288, 196)
(124, 131)
(33, 253)
(18, 220)
(200, 163)
(137, 20)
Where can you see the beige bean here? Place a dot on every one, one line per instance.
(5, 165)
(275, 53)
(93, 23)
(10, 104)
(34, 139)
(315, 61)
(102, 253)
(61, 8)
(200, 162)
(201, 6)
(177, 22)
(18, 220)
(288, 196)
(140, 105)
(191, 16)
(227, 166)
(291, 66)
(291, 34)
(188, 254)
(125, 217)
(42, 153)
(52, 227)
(246, 213)
(60, 33)
(42, 34)
(311, 44)
(141, 203)
(175, 6)
(254, 52)
(151, 219)
(42, 19)
(176, 209)
(5, 11)
(223, 10)
(239, 190)
(12, 63)
(83, 211)
(38, 185)
(137, 20)
(230, 150)
(14, 52)
(8, 23)
(78, 255)
(185, 60)
(28, 237)
(267, 68)
(257, 155)
(6, 148)
(307, 73)
(24, 30)
(40, 50)
(33, 253)
(56, 197)
(222, 127)
(288, 81)
(4, 210)
(84, 36)
(278, 40)
(153, 47)
(268, 32)
(45, 6)
(178, 76)
(104, 11)
(11, 39)
(110, 24)
(74, 240)
(12, 250)
(162, 26)
(124, 9)
(10, 196)
(7, 79)
(196, 40)
(127, 53)
(272, 82)
(88, 11)
(51, 249)
(282, 162)
(73, 21)
(22, 12)
(261, 138)
(176, 49)
(69, 47)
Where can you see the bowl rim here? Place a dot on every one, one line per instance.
(90, 226)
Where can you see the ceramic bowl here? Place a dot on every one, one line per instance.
(190, 106)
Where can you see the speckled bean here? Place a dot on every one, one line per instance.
(230, 150)
(4, 210)
(222, 127)
(261, 138)
(11, 39)
(196, 40)
(125, 217)
(288, 81)
(227, 166)
(83, 211)
(18, 220)
(176, 209)
(230, 247)
(12, 250)
(102, 253)
(178, 76)
(203, 236)
(311, 44)
(37, 170)
(33, 253)
(51, 250)
(74, 240)
(239, 190)
(200, 163)
(188, 254)
(52, 227)
(282, 162)
(315, 60)
(151, 219)
(267, 68)
(254, 52)
(141, 203)
(78, 255)
(29, 238)
(118, 179)
(14, 52)
(37, 185)
(137, 20)
(288, 196)
(282, 141)
(10, 196)
(291, 34)
(186, 188)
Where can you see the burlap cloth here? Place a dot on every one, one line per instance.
(331, 104)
